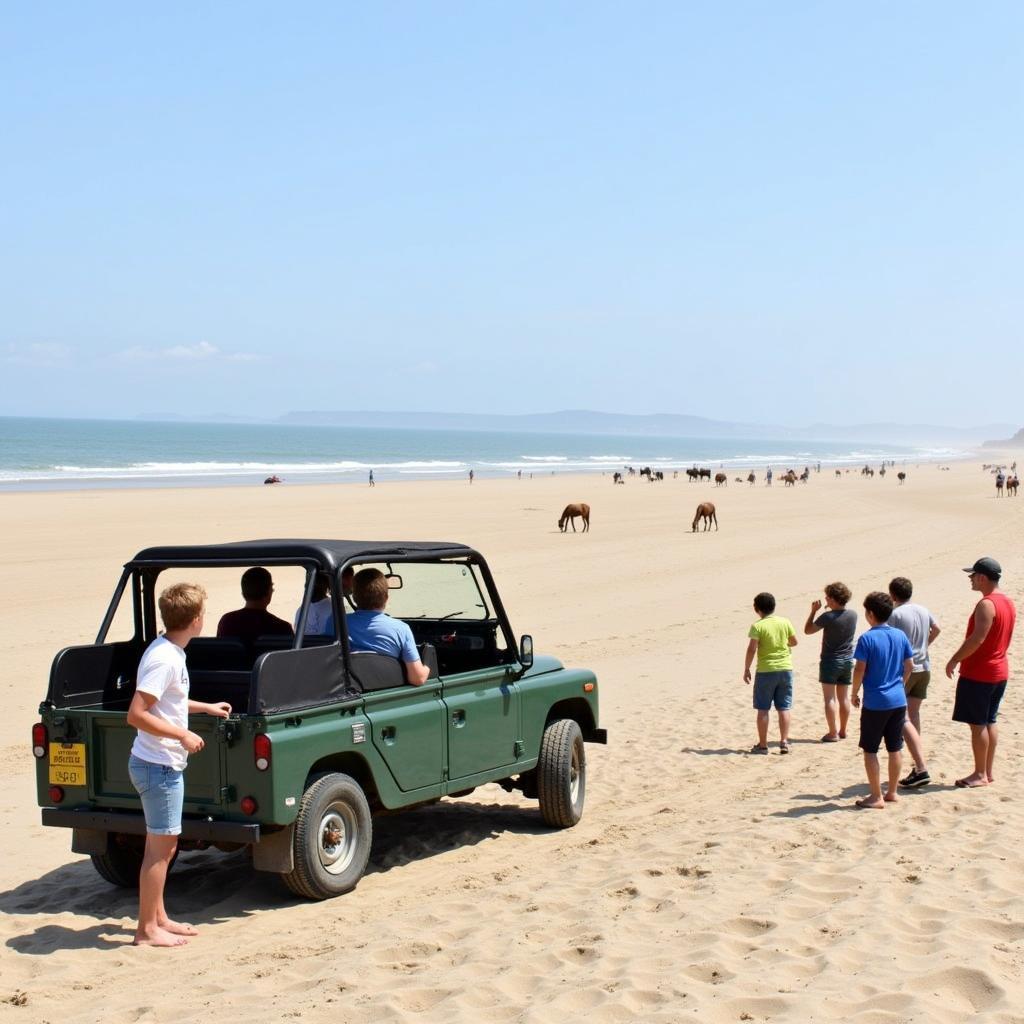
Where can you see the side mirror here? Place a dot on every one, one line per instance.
(526, 651)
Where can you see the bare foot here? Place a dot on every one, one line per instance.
(974, 781)
(178, 928)
(991, 779)
(891, 798)
(158, 937)
(870, 802)
(842, 735)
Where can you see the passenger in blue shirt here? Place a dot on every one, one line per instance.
(370, 629)
(883, 661)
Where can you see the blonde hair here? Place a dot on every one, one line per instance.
(181, 604)
(370, 589)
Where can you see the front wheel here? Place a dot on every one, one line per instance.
(333, 831)
(562, 774)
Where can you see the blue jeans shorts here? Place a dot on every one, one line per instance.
(162, 791)
(773, 687)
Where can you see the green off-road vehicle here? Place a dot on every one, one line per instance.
(321, 737)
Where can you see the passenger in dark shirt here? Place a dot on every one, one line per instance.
(254, 620)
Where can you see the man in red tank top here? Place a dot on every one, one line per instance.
(984, 668)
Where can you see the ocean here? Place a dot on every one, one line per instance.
(51, 454)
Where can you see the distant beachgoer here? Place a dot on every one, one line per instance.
(984, 668)
(471, 476)
(883, 662)
(372, 484)
(838, 627)
(770, 640)
(768, 477)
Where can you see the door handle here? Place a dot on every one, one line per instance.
(387, 734)
(459, 718)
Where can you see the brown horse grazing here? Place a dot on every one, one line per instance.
(901, 476)
(721, 478)
(750, 478)
(705, 511)
(571, 512)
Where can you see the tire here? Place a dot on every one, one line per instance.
(562, 774)
(121, 863)
(333, 832)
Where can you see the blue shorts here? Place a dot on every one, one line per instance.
(773, 687)
(162, 791)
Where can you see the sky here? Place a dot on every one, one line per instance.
(784, 212)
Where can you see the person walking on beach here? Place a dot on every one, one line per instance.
(984, 668)
(838, 627)
(471, 476)
(770, 640)
(372, 484)
(883, 661)
(768, 477)
(159, 710)
(921, 630)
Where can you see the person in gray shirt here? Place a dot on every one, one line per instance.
(835, 671)
(916, 621)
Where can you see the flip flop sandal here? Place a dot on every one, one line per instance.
(829, 739)
(783, 748)
(758, 750)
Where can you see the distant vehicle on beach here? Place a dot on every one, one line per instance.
(321, 737)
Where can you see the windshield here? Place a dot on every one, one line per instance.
(435, 590)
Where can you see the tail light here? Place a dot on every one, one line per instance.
(39, 740)
(249, 806)
(56, 794)
(261, 751)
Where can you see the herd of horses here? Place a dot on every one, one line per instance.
(706, 513)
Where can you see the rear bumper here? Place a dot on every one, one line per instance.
(134, 824)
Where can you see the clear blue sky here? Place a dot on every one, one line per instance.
(780, 212)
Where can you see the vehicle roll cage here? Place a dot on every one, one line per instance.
(142, 572)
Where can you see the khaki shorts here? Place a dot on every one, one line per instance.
(917, 684)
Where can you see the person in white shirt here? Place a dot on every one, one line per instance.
(159, 710)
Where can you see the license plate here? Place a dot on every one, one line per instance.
(67, 764)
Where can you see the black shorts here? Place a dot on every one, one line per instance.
(977, 703)
(887, 723)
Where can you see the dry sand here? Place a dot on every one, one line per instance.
(702, 883)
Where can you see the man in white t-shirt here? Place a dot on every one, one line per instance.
(159, 711)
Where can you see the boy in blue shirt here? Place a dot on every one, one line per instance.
(883, 661)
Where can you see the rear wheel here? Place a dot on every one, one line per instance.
(333, 831)
(562, 774)
(121, 864)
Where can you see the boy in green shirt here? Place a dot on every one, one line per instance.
(771, 638)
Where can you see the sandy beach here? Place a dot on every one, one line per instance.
(703, 883)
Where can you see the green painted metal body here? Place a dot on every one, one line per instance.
(405, 745)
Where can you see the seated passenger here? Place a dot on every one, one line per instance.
(370, 629)
(254, 620)
(320, 620)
